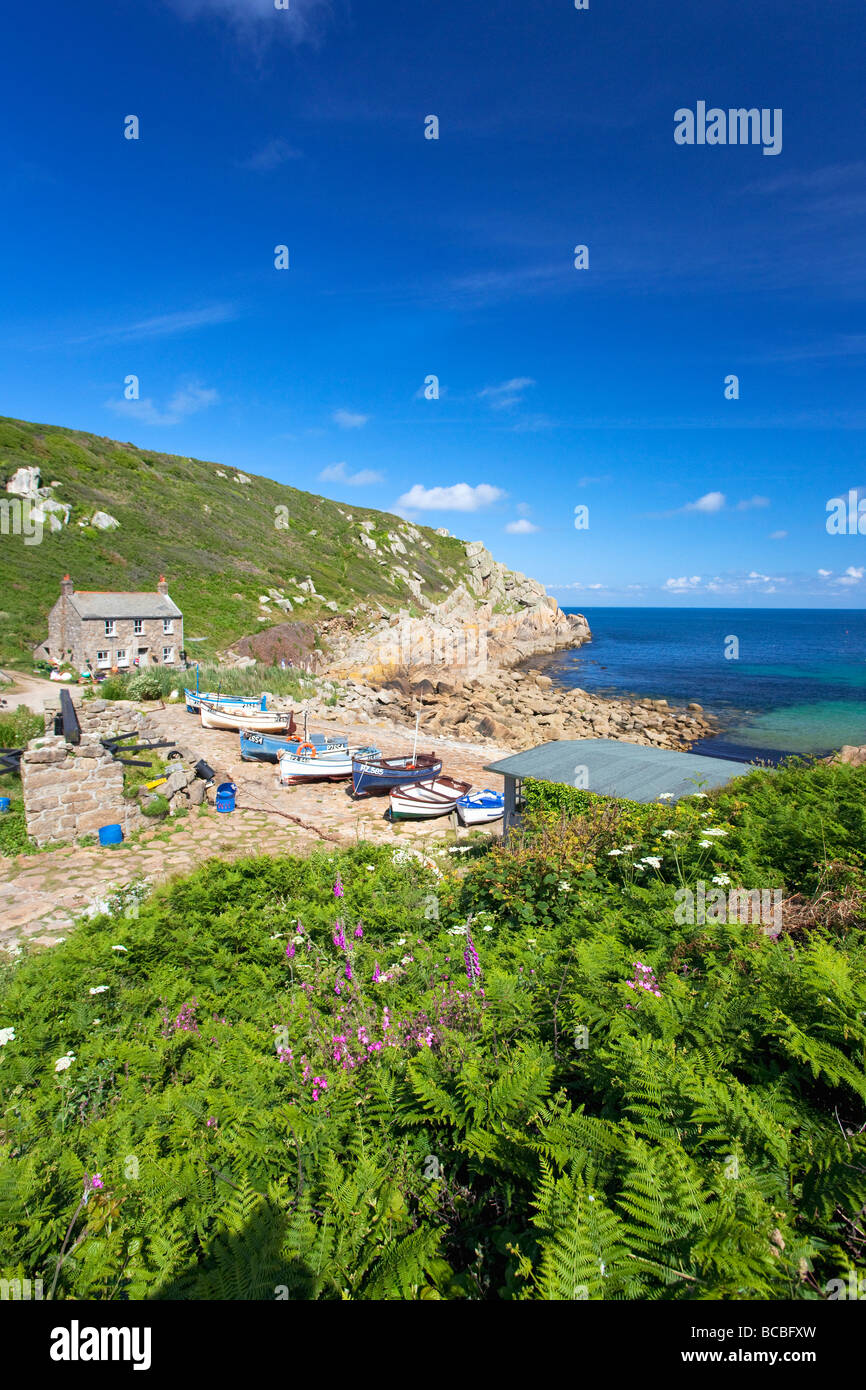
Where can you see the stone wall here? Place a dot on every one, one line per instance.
(104, 717)
(73, 791)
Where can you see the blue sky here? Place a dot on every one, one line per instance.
(411, 257)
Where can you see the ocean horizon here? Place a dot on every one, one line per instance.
(780, 680)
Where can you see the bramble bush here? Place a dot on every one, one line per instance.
(371, 1075)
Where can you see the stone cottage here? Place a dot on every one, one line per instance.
(104, 631)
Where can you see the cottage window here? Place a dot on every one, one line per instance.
(123, 658)
(138, 626)
(167, 625)
(110, 628)
(167, 655)
(103, 659)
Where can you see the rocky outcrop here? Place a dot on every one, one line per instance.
(44, 506)
(496, 619)
(514, 710)
(849, 753)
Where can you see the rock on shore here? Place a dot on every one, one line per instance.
(517, 709)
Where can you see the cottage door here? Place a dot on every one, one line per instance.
(143, 656)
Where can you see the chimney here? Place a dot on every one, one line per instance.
(162, 587)
(66, 586)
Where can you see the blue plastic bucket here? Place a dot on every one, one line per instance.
(5, 803)
(110, 834)
(225, 796)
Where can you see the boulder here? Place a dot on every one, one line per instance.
(196, 792)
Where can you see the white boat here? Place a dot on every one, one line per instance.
(436, 797)
(194, 699)
(310, 764)
(215, 717)
(480, 807)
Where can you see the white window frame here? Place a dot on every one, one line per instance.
(138, 627)
(110, 627)
(167, 656)
(122, 659)
(168, 627)
(103, 660)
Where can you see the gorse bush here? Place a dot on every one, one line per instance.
(362, 1076)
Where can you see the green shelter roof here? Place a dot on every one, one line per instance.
(612, 767)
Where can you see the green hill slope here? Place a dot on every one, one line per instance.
(222, 542)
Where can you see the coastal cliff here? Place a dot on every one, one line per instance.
(494, 619)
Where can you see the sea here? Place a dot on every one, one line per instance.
(779, 680)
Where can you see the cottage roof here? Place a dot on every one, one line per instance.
(615, 768)
(108, 604)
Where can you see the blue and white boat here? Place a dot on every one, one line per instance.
(376, 776)
(266, 748)
(232, 703)
(480, 807)
(308, 765)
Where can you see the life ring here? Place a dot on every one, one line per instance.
(301, 746)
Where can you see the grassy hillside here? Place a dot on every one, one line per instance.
(214, 537)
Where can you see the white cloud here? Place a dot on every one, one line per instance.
(338, 473)
(187, 400)
(710, 502)
(507, 393)
(681, 585)
(460, 497)
(163, 325)
(750, 502)
(298, 22)
(271, 156)
(825, 574)
(349, 420)
(852, 575)
(778, 535)
(521, 527)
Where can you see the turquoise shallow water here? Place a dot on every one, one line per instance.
(798, 684)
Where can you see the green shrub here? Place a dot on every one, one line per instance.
(145, 685)
(266, 1125)
(19, 726)
(156, 808)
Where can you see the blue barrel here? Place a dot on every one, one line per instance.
(264, 702)
(110, 834)
(5, 803)
(225, 796)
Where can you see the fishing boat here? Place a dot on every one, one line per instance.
(194, 700)
(418, 800)
(378, 775)
(480, 807)
(265, 748)
(307, 764)
(216, 717)
(371, 777)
